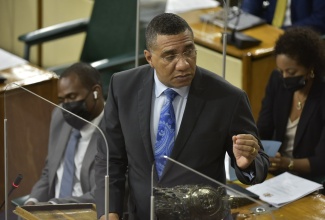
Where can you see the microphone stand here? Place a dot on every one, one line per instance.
(239, 39)
(137, 34)
(152, 197)
(6, 163)
(224, 36)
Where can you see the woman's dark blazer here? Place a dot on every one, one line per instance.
(310, 135)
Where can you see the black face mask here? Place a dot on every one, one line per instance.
(294, 83)
(79, 108)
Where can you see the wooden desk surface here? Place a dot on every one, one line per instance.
(310, 207)
(61, 211)
(210, 35)
(24, 75)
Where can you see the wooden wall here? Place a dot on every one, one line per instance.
(27, 122)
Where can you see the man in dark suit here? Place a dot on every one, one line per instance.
(212, 117)
(80, 92)
(308, 13)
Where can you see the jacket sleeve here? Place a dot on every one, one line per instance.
(87, 197)
(243, 123)
(40, 190)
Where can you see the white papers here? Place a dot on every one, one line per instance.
(271, 147)
(284, 188)
(8, 60)
(179, 6)
(230, 171)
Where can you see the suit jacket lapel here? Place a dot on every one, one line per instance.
(193, 109)
(144, 112)
(284, 113)
(88, 161)
(312, 102)
(59, 151)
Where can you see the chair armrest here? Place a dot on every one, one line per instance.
(116, 61)
(103, 64)
(53, 32)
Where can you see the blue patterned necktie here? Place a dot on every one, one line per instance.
(69, 166)
(166, 131)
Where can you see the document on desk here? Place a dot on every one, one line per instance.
(8, 60)
(180, 6)
(284, 188)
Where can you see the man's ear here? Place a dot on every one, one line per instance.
(148, 57)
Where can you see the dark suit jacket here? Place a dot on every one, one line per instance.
(215, 111)
(303, 12)
(44, 189)
(310, 135)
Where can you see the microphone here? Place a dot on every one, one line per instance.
(238, 39)
(152, 197)
(14, 185)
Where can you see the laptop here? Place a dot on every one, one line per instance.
(237, 19)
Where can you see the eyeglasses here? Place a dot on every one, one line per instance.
(187, 55)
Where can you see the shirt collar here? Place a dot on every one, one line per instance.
(88, 129)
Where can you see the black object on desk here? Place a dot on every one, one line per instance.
(2, 79)
(241, 40)
(237, 200)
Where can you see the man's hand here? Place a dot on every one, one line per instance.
(112, 216)
(245, 147)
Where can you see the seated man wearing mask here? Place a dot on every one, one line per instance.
(80, 92)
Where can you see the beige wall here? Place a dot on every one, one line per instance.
(20, 16)
(213, 61)
(16, 17)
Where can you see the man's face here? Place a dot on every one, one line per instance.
(70, 89)
(174, 58)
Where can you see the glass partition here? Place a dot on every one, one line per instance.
(183, 193)
(34, 128)
(149, 9)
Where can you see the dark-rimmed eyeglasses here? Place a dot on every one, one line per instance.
(187, 55)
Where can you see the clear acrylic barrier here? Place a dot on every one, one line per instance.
(149, 9)
(27, 120)
(185, 194)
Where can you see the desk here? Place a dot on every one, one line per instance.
(59, 211)
(44, 84)
(248, 69)
(310, 207)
